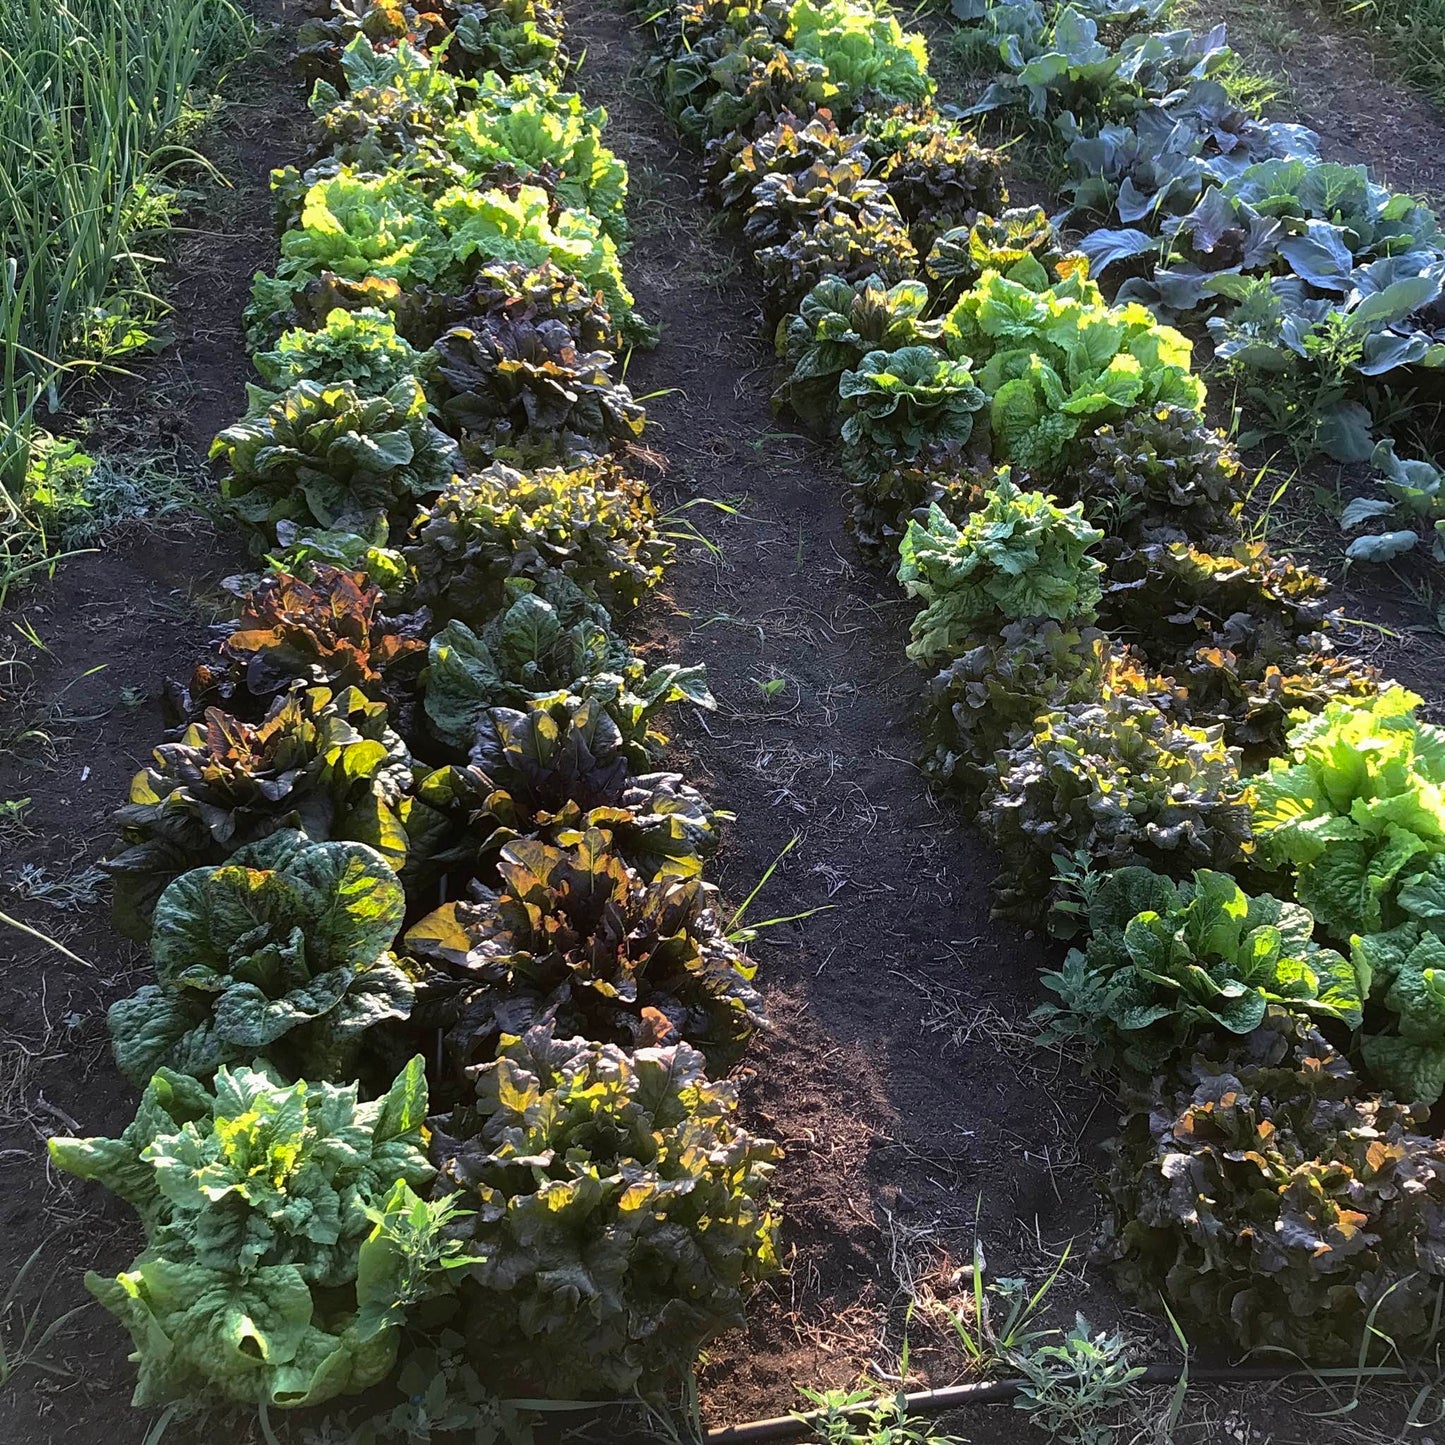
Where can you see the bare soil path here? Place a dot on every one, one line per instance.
(897, 1076)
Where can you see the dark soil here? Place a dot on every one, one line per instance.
(78, 717)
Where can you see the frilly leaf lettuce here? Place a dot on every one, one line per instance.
(1019, 556)
(619, 1209)
(1057, 362)
(1277, 1204)
(1356, 808)
(863, 47)
(268, 1274)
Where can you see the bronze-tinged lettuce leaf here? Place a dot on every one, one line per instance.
(1168, 598)
(938, 175)
(521, 392)
(576, 936)
(327, 765)
(326, 454)
(593, 523)
(619, 1210)
(1160, 475)
(851, 248)
(1117, 778)
(283, 953)
(510, 291)
(881, 504)
(788, 201)
(1278, 1205)
(327, 631)
(790, 147)
(987, 699)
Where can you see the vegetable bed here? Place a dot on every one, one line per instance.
(456, 1078)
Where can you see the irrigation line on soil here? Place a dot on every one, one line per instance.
(989, 1392)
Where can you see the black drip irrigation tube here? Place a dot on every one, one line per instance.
(989, 1392)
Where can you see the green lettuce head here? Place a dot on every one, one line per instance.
(279, 1260)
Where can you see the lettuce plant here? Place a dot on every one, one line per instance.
(361, 347)
(282, 953)
(791, 147)
(897, 403)
(522, 392)
(327, 764)
(1355, 808)
(327, 632)
(511, 37)
(559, 767)
(1019, 556)
(278, 1265)
(937, 173)
(545, 130)
(357, 226)
(326, 454)
(1277, 1204)
(837, 325)
(1056, 361)
(551, 638)
(304, 551)
(1171, 598)
(1404, 970)
(1017, 243)
(516, 224)
(851, 248)
(593, 523)
(743, 84)
(882, 502)
(988, 698)
(787, 201)
(575, 935)
(1158, 475)
(1118, 778)
(397, 99)
(863, 48)
(1166, 961)
(618, 1210)
(532, 295)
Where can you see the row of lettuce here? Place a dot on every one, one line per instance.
(1323, 292)
(441, 1001)
(1244, 829)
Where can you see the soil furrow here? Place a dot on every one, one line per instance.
(899, 1074)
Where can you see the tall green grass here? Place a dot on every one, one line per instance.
(1414, 34)
(93, 97)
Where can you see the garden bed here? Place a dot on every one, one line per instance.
(900, 1076)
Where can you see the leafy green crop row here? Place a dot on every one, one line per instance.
(437, 978)
(1240, 823)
